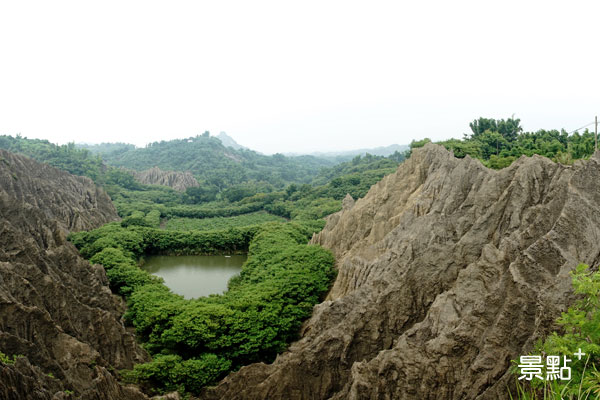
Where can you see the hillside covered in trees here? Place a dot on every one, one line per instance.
(497, 143)
(217, 165)
(320, 194)
(67, 157)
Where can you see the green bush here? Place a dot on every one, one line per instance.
(152, 219)
(171, 372)
(123, 274)
(109, 235)
(4, 359)
(136, 218)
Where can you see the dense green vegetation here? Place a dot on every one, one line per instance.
(314, 199)
(85, 160)
(106, 148)
(195, 342)
(580, 330)
(499, 142)
(66, 157)
(70, 158)
(298, 202)
(186, 224)
(215, 165)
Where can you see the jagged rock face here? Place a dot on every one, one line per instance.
(175, 179)
(348, 202)
(447, 271)
(55, 308)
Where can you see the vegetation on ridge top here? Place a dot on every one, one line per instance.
(497, 143)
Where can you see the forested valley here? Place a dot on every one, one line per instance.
(245, 202)
(266, 206)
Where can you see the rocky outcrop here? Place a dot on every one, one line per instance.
(447, 271)
(348, 202)
(56, 310)
(174, 179)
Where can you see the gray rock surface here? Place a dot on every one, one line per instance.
(56, 309)
(175, 179)
(447, 271)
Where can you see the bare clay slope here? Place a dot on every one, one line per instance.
(447, 271)
(175, 179)
(56, 309)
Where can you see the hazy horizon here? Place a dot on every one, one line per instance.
(301, 78)
(293, 153)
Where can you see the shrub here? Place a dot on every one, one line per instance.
(171, 372)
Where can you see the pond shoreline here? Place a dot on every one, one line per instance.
(142, 259)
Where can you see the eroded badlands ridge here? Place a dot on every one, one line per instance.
(56, 309)
(175, 179)
(447, 271)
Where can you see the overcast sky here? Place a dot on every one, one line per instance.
(281, 76)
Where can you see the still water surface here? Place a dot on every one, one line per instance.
(195, 276)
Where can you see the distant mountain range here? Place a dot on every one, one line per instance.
(228, 141)
(384, 151)
(344, 155)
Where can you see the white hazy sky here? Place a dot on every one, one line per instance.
(294, 76)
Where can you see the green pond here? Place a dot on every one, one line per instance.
(195, 276)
